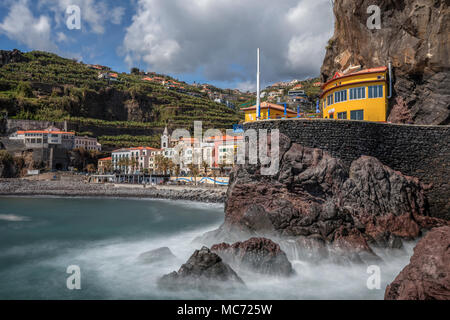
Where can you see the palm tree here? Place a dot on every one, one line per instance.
(123, 162)
(194, 171)
(107, 166)
(222, 166)
(160, 162)
(205, 166)
(133, 163)
(177, 171)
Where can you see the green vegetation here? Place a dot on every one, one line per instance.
(51, 88)
(122, 141)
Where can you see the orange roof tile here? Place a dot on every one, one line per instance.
(266, 105)
(339, 75)
(45, 131)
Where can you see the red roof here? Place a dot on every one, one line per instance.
(44, 131)
(266, 105)
(339, 75)
(105, 159)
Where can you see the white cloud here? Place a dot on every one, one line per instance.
(61, 37)
(220, 37)
(117, 15)
(21, 25)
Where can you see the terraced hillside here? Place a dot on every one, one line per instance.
(43, 86)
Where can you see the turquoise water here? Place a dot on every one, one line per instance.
(41, 237)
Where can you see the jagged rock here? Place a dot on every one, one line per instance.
(427, 276)
(315, 196)
(413, 36)
(11, 57)
(204, 270)
(157, 255)
(257, 254)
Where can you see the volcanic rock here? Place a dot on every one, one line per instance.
(11, 57)
(257, 254)
(156, 255)
(204, 270)
(413, 35)
(314, 197)
(427, 276)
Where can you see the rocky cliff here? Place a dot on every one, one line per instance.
(427, 276)
(414, 37)
(322, 206)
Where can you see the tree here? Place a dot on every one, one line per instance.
(90, 168)
(177, 171)
(107, 166)
(123, 162)
(194, 171)
(205, 166)
(24, 90)
(133, 163)
(222, 166)
(135, 71)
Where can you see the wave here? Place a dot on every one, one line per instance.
(13, 218)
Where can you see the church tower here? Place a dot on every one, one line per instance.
(165, 139)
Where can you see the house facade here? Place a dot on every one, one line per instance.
(359, 95)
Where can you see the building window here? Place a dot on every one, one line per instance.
(331, 115)
(357, 93)
(342, 115)
(376, 91)
(340, 96)
(357, 114)
(330, 100)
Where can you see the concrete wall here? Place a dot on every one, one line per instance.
(415, 150)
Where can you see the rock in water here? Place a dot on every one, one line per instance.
(413, 36)
(204, 270)
(257, 254)
(315, 196)
(427, 276)
(157, 255)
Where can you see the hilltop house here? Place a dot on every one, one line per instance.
(268, 111)
(356, 95)
(87, 143)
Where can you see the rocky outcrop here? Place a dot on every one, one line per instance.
(11, 57)
(413, 36)
(256, 254)
(156, 255)
(204, 270)
(427, 277)
(319, 203)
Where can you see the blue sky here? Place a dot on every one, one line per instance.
(210, 41)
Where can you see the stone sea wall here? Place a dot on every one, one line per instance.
(422, 151)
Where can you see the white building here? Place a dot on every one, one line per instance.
(87, 143)
(45, 138)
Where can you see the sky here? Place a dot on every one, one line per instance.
(213, 41)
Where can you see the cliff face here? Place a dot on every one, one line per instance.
(427, 276)
(413, 36)
(317, 202)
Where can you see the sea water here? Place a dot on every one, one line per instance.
(41, 237)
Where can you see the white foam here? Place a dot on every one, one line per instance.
(13, 218)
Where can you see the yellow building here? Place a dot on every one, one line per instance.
(360, 95)
(268, 111)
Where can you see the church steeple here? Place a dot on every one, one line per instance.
(165, 139)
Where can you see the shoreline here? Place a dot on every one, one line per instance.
(74, 189)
